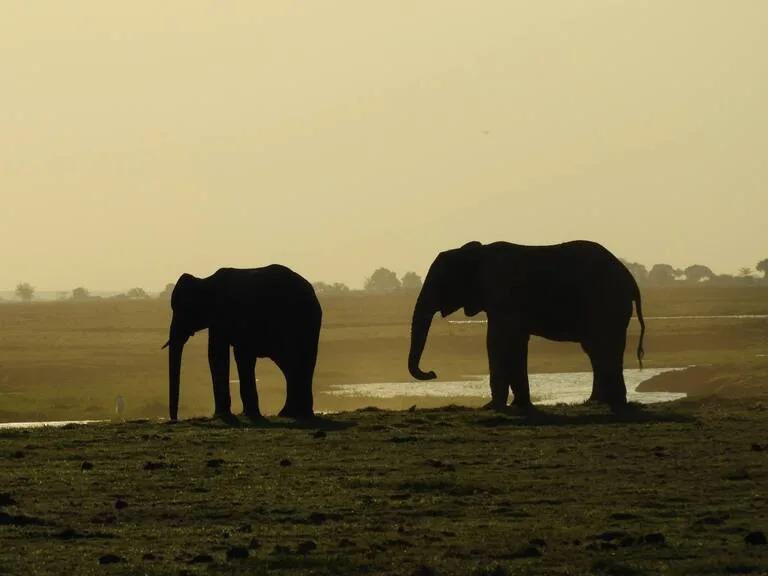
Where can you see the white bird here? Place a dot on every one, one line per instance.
(119, 407)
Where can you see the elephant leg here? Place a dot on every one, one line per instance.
(598, 393)
(507, 364)
(298, 371)
(607, 357)
(246, 370)
(519, 367)
(218, 360)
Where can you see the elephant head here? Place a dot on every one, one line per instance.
(190, 301)
(451, 283)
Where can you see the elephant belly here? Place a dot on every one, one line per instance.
(558, 334)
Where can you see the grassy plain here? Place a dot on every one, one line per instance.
(69, 360)
(674, 488)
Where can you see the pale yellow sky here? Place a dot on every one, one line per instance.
(140, 140)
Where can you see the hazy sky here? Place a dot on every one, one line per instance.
(143, 139)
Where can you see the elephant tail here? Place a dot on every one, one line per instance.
(639, 310)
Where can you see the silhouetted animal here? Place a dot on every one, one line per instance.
(270, 312)
(576, 291)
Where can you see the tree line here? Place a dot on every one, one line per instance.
(384, 280)
(661, 274)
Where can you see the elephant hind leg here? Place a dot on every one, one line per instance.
(299, 373)
(607, 358)
(246, 370)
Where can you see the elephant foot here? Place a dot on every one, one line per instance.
(289, 412)
(494, 405)
(522, 404)
(226, 417)
(255, 417)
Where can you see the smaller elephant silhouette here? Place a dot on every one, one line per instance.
(575, 291)
(269, 312)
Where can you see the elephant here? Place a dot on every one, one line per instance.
(269, 312)
(576, 291)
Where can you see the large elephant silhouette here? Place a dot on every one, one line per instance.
(575, 291)
(270, 312)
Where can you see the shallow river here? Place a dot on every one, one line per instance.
(562, 387)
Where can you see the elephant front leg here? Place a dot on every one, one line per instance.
(518, 360)
(497, 338)
(246, 370)
(507, 364)
(218, 360)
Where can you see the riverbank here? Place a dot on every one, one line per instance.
(743, 380)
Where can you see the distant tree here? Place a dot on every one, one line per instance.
(745, 272)
(62, 295)
(80, 293)
(663, 274)
(637, 270)
(25, 291)
(330, 289)
(723, 279)
(166, 293)
(698, 272)
(382, 280)
(411, 281)
(137, 294)
(762, 266)
(339, 288)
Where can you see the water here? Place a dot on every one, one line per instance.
(556, 388)
(13, 425)
(693, 317)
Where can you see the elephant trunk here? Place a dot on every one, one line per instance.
(174, 376)
(422, 320)
(175, 346)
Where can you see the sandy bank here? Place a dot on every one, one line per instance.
(725, 380)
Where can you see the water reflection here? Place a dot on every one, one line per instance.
(556, 388)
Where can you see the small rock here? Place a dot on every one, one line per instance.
(306, 546)
(317, 518)
(759, 447)
(424, 570)
(656, 538)
(237, 553)
(203, 559)
(280, 549)
(627, 542)
(120, 504)
(527, 552)
(538, 542)
(245, 529)
(109, 559)
(285, 462)
(346, 543)
(154, 465)
(623, 516)
(148, 557)
(756, 538)
(86, 466)
(214, 462)
(254, 544)
(18, 454)
(6, 500)
(319, 434)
